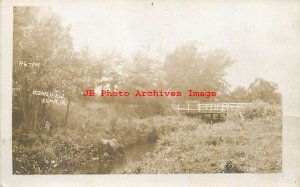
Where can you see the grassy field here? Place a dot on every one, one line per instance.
(229, 147)
(184, 144)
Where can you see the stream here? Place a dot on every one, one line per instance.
(132, 154)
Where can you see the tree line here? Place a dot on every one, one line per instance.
(40, 38)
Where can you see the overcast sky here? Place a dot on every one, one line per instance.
(263, 37)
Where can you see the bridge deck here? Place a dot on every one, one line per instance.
(209, 108)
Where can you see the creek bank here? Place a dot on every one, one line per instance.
(132, 154)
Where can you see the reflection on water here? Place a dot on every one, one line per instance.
(133, 154)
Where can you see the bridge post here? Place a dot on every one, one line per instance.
(199, 107)
(188, 106)
(178, 107)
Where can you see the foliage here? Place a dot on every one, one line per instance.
(240, 94)
(73, 150)
(66, 152)
(227, 147)
(261, 112)
(266, 91)
(39, 37)
(188, 69)
(113, 74)
(181, 142)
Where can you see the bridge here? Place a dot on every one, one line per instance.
(210, 108)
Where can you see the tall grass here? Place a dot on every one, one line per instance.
(254, 147)
(184, 145)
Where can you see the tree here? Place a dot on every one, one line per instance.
(113, 66)
(188, 69)
(39, 37)
(143, 73)
(266, 91)
(240, 94)
(139, 74)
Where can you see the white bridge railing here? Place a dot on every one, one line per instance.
(211, 106)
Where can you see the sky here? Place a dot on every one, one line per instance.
(262, 36)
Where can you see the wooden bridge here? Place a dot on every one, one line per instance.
(210, 108)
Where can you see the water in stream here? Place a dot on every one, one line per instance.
(132, 154)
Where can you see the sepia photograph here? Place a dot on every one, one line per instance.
(106, 92)
(80, 109)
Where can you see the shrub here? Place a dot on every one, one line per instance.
(261, 111)
(149, 109)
